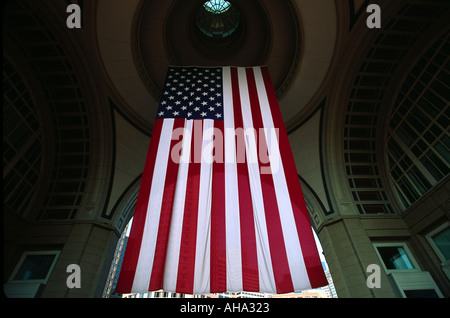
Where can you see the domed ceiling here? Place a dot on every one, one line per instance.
(139, 39)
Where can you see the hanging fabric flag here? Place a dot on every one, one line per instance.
(220, 207)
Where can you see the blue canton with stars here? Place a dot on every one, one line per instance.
(192, 93)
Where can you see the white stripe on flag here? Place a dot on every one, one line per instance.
(176, 226)
(202, 250)
(148, 244)
(297, 267)
(232, 226)
(266, 276)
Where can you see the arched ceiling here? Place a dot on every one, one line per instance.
(139, 39)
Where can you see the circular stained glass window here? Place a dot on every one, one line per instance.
(217, 6)
(217, 19)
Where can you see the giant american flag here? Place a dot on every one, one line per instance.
(220, 206)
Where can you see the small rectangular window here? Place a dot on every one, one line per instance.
(396, 257)
(421, 293)
(440, 241)
(34, 267)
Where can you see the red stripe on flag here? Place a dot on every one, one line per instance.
(250, 276)
(156, 281)
(128, 270)
(186, 265)
(218, 261)
(278, 254)
(307, 242)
